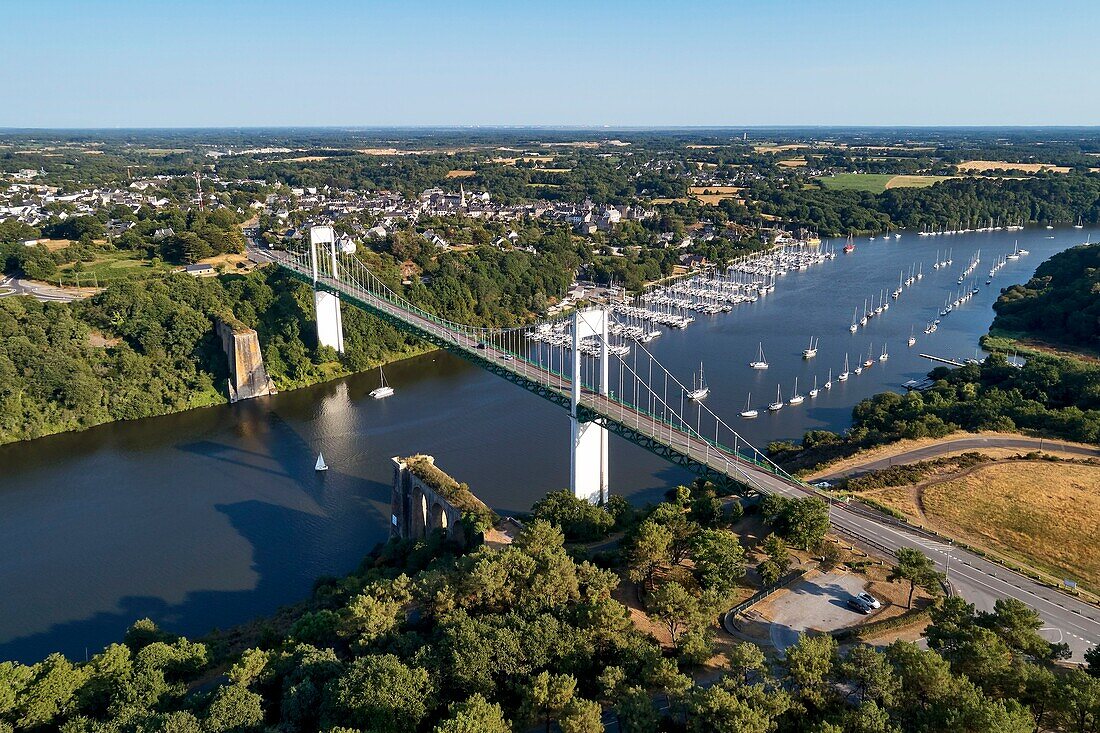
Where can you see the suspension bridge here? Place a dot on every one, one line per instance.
(573, 361)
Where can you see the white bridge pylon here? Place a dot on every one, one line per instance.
(330, 323)
(588, 477)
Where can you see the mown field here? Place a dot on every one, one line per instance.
(877, 182)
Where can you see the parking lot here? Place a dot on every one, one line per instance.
(818, 603)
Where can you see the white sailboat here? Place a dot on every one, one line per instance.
(385, 390)
(811, 351)
(796, 398)
(748, 413)
(778, 404)
(829, 382)
(884, 355)
(321, 465)
(843, 376)
(701, 389)
(855, 323)
(859, 365)
(815, 390)
(912, 338)
(761, 362)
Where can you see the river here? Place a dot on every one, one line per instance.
(212, 517)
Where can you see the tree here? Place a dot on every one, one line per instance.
(914, 566)
(581, 716)
(379, 693)
(778, 562)
(234, 708)
(1092, 662)
(871, 676)
(677, 608)
(547, 695)
(810, 664)
(649, 552)
(635, 711)
(474, 715)
(578, 518)
(719, 559)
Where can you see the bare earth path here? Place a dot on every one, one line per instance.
(875, 461)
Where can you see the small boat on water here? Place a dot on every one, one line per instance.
(321, 465)
(383, 391)
(761, 362)
(700, 388)
(796, 398)
(811, 351)
(912, 338)
(855, 323)
(829, 382)
(884, 355)
(859, 365)
(778, 404)
(850, 247)
(843, 376)
(814, 392)
(748, 413)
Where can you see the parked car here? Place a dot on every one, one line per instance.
(869, 600)
(482, 345)
(858, 606)
(823, 485)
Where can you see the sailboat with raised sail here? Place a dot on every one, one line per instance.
(700, 388)
(321, 465)
(748, 413)
(761, 362)
(778, 404)
(383, 391)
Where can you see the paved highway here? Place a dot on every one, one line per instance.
(958, 444)
(977, 580)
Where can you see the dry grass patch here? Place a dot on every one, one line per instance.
(979, 166)
(904, 181)
(904, 446)
(1044, 514)
(460, 174)
(792, 163)
(693, 190)
(778, 148)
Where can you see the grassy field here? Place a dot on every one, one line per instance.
(461, 174)
(877, 182)
(108, 266)
(1044, 514)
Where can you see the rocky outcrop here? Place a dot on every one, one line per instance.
(247, 376)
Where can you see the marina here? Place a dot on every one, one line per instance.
(216, 515)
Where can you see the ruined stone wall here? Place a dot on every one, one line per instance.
(417, 508)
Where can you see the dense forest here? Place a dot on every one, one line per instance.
(428, 636)
(963, 202)
(148, 348)
(1060, 304)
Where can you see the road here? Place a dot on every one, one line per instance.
(979, 581)
(952, 446)
(42, 291)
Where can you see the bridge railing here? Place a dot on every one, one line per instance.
(355, 279)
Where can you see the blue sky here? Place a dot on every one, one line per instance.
(125, 63)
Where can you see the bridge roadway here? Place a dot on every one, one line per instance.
(979, 581)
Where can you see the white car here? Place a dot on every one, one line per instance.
(869, 600)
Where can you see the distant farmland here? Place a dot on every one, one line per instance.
(877, 182)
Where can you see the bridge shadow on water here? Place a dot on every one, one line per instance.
(293, 540)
